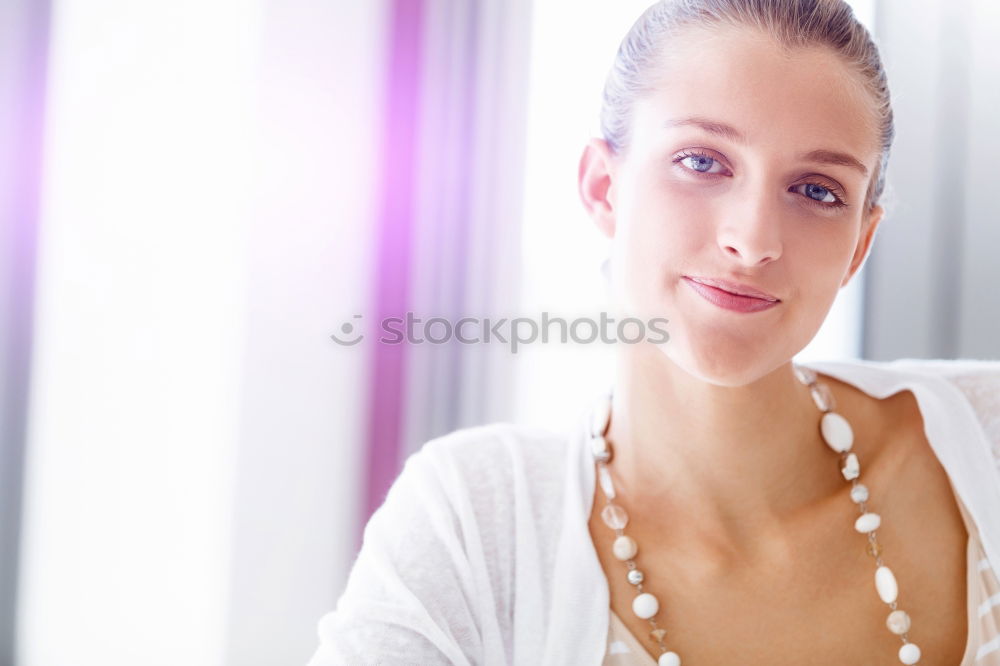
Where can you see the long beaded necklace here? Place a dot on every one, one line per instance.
(837, 434)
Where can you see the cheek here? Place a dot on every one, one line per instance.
(821, 250)
(662, 233)
(670, 219)
(814, 270)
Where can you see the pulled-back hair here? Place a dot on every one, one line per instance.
(791, 23)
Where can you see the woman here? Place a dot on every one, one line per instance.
(724, 505)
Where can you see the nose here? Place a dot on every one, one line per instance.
(751, 234)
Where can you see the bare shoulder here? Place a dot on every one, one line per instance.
(923, 534)
(898, 462)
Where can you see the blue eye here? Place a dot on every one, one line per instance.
(701, 163)
(823, 196)
(819, 193)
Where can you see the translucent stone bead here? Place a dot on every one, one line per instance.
(668, 659)
(805, 375)
(822, 397)
(852, 468)
(837, 432)
(645, 605)
(874, 548)
(859, 493)
(867, 522)
(600, 449)
(898, 622)
(909, 653)
(624, 548)
(614, 516)
(658, 634)
(885, 584)
(607, 485)
(635, 576)
(601, 416)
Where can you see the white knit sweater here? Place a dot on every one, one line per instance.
(481, 553)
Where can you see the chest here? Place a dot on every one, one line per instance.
(822, 607)
(782, 621)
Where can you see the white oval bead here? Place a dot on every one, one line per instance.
(867, 522)
(668, 659)
(909, 653)
(852, 468)
(607, 485)
(859, 493)
(645, 605)
(885, 584)
(601, 416)
(898, 622)
(625, 547)
(600, 449)
(836, 432)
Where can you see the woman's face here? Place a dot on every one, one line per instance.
(746, 165)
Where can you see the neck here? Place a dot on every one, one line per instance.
(733, 465)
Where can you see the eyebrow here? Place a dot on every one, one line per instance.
(732, 134)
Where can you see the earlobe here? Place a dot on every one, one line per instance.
(596, 187)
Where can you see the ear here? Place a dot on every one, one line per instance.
(596, 184)
(868, 228)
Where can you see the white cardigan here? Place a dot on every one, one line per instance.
(480, 553)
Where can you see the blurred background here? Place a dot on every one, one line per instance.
(195, 195)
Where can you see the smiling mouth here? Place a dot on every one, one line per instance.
(728, 300)
(733, 288)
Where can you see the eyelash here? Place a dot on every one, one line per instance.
(832, 189)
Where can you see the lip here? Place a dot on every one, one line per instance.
(730, 300)
(733, 287)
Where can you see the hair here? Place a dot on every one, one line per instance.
(791, 23)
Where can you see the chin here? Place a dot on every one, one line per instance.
(723, 364)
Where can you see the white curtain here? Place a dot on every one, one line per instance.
(469, 209)
(197, 445)
(191, 484)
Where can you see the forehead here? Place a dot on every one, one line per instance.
(800, 99)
